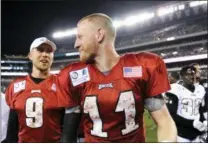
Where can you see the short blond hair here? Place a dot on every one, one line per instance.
(102, 20)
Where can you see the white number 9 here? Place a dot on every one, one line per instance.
(34, 112)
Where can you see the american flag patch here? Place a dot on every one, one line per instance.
(132, 71)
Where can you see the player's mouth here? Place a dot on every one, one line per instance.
(80, 50)
(44, 61)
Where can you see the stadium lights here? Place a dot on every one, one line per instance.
(65, 33)
(181, 7)
(170, 38)
(118, 23)
(175, 53)
(131, 20)
(166, 10)
(169, 9)
(72, 54)
(197, 3)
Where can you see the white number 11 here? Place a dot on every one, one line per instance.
(125, 103)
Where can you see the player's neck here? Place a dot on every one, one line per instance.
(106, 59)
(189, 87)
(40, 74)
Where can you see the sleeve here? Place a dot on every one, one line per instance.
(172, 105)
(12, 129)
(171, 102)
(67, 98)
(70, 127)
(157, 81)
(9, 96)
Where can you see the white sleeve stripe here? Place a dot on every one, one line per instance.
(73, 110)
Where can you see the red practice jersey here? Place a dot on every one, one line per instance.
(39, 114)
(112, 103)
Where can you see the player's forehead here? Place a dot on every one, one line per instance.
(84, 26)
(44, 48)
(45, 45)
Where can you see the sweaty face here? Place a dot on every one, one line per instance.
(86, 42)
(188, 78)
(42, 57)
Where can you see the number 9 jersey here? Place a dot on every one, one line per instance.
(37, 107)
(113, 104)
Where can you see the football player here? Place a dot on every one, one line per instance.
(111, 91)
(35, 115)
(183, 103)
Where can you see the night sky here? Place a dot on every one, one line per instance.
(23, 21)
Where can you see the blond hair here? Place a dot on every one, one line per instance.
(102, 20)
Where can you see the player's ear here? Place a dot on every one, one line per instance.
(29, 56)
(100, 35)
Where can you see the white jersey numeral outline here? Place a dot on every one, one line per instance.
(190, 107)
(34, 112)
(126, 103)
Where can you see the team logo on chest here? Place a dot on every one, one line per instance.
(19, 86)
(79, 76)
(101, 86)
(129, 72)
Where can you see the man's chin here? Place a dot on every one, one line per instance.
(44, 69)
(87, 61)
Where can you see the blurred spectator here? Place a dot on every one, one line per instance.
(173, 77)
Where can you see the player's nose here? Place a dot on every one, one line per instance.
(77, 44)
(45, 54)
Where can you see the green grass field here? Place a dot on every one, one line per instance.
(151, 129)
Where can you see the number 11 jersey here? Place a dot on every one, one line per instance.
(112, 103)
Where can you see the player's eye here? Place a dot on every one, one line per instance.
(45, 49)
(80, 37)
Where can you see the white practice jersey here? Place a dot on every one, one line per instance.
(188, 102)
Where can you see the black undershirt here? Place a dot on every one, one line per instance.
(36, 80)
